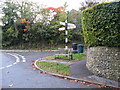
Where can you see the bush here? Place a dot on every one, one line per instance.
(101, 25)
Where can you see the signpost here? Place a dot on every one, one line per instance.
(67, 26)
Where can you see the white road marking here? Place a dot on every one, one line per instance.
(2, 67)
(15, 63)
(23, 58)
(9, 66)
(11, 85)
(17, 60)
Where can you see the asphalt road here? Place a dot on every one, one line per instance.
(17, 72)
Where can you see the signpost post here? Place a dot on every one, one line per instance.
(66, 35)
(67, 26)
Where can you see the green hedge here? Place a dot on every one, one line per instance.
(101, 25)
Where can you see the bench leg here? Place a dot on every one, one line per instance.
(71, 57)
(55, 56)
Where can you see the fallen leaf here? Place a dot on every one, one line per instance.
(76, 80)
(65, 78)
(71, 81)
(44, 72)
(32, 64)
(35, 69)
(33, 60)
(41, 71)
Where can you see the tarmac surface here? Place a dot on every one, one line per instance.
(17, 72)
(79, 69)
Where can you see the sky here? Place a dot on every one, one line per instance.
(72, 4)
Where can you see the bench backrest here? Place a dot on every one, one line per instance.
(64, 51)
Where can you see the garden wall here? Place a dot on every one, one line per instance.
(104, 61)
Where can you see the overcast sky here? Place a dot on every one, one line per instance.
(72, 4)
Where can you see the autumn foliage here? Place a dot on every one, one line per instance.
(23, 24)
(55, 9)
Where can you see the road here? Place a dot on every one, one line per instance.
(17, 72)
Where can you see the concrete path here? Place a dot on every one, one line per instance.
(79, 69)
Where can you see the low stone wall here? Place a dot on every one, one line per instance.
(104, 62)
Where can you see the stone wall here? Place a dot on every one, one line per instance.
(104, 62)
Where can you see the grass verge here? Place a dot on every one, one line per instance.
(76, 57)
(54, 67)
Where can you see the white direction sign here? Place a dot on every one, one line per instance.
(62, 28)
(70, 26)
(62, 23)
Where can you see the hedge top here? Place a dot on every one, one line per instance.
(101, 25)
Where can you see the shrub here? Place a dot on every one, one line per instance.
(101, 25)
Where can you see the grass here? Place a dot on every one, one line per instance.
(54, 67)
(76, 57)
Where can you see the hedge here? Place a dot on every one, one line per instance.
(101, 25)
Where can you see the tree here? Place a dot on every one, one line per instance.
(9, 18)
(10, 13)
(89, 3)
(56, 16)
(27, 22)
(28, 10)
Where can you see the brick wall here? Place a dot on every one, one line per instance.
(104, 62)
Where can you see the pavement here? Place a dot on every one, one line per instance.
(79, 71)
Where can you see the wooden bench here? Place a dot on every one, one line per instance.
(63, 52)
